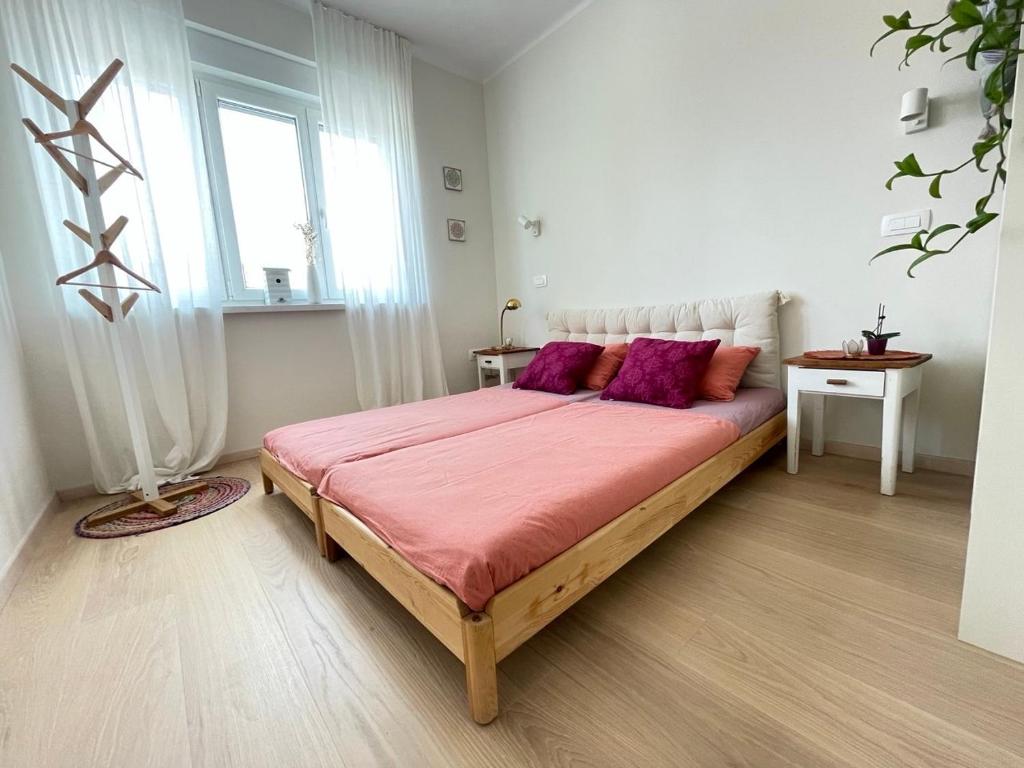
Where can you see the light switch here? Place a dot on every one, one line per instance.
(896, 224)
(540, 281)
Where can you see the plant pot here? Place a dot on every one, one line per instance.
(314, 294)
(877, 346)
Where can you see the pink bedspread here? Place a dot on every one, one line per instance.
(311, 448)
(479, 511)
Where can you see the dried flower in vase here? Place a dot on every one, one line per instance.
(309, 235)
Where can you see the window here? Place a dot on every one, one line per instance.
(263, 152)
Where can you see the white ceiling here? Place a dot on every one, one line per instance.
(472, 38)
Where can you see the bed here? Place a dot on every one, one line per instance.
(295, 457)
(450, 567)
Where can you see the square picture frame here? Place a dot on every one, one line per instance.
(452, 178)
(457, 230)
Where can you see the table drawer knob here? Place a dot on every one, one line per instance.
(837, 382)
(488, 361)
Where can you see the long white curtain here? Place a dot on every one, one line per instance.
(176, 338)
(373, 211)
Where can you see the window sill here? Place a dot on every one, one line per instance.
(242, 308)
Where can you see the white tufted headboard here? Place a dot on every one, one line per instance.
(741, 321)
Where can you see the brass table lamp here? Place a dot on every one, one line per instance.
(511, 304)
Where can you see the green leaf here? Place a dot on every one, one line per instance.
(933, 189)
(909, 166)
(940, 231)
(916, 239)
(980, 221)
(920, 259)
(979, 208)
(896, 23)
(994, 86)
(918, 41)
(966, 12)
(888, 184)
(893, 249)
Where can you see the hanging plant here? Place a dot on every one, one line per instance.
(992, 53)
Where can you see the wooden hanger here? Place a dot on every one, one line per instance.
(87, 128)
(65, 165)
(104, 257)
(104, 309)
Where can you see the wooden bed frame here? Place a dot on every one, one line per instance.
(481, 639)
(295, 488)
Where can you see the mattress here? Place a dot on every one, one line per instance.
(310, 448)
(752, 407)
(478, 511)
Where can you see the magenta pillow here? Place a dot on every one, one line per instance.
(662, 372)
(560, 367)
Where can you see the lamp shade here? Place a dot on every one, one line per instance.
(513, 304)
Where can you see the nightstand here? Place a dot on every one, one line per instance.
(897, 383)
(504, 361)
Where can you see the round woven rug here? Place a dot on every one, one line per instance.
(220, 492)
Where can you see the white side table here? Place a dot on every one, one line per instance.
(896, 383)
(504, 361)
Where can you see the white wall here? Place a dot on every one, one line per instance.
(992, 614)
(680, 150)
(285, 367)
(25, 492)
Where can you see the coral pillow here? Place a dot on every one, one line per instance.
(725, 370)
(607, 366)
(559, 367)
(662, 372)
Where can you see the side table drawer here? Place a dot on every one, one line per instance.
(838, 382)
(490, 362)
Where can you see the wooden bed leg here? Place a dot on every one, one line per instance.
(328, 547)
(481, 668)
(268, 485)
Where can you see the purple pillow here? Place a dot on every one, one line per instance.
(662, 372)
(559, 367)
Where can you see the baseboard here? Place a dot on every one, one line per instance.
(235, 456)
(77, 492)
(949, 466)
(16, 565)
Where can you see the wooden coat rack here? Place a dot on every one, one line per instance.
(99, 237)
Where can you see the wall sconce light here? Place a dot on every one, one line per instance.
(914, 111)
(530, 225)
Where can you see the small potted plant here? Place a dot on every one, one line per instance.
(877, 340)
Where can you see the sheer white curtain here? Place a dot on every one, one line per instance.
(176, 338)
(373, 212)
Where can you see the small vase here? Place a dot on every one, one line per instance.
(314, 294)
(877, 346)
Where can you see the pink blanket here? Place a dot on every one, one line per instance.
(311, 448)
(479, 511)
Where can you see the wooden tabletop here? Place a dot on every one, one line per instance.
(856, 364)
(504, 350)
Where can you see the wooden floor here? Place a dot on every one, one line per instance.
(791, 621)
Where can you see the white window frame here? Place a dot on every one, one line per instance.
(306, 110)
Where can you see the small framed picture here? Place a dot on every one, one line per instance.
(452, 179)
(457, 230)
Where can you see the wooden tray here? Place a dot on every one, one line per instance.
(835, 354)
